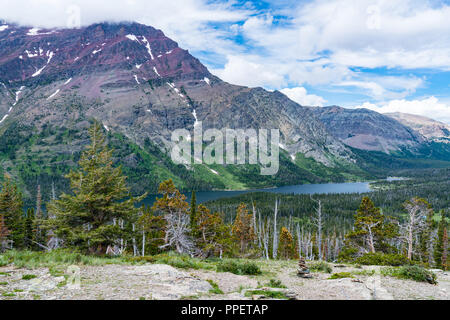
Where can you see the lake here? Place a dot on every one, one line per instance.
(347, 187)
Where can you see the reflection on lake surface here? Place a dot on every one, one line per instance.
(348, 187)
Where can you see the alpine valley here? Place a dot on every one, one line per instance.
(141, 86)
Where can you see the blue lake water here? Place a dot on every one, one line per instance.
(348, 187)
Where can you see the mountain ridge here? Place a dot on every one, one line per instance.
(141, 86)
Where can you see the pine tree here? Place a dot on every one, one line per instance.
(39, 233)
(286, 245)
(92, 217)
(444, 250)
(175, 210)
(4, 232)
(213, 233)
(425, 236)
(243, 228)
(28, 229)
(193, 214)
(439, 245)
(153, 231)
(370, 229)
(11, 209)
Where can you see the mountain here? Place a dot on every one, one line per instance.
(429, 128)
(141, 85)
(367, 130)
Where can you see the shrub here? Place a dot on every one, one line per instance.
(268, 294)
(3, 261)
(320, 266)
(175, 260)
(275, 284)
(215, 289)
(240, 268)
(28, 276)
(8, 294)
(341, 275)
(414, 272)
(365, 273)
(382, 259)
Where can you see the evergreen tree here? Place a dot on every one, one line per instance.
(439, 247)
(425, 236)
(213, 233)
(153, 231)
(28, 229)
(101, 203)
(243, 228)
(175, 209)
(370, 229)
(286, 244)
(444, 250)
(4, 232)
(11, 208)
(193, 215)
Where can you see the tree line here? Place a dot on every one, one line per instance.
(99, 216)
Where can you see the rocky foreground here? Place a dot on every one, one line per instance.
(158, 281)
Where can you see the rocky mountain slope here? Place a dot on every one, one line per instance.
(367, 130)
(141, 85)
(427, 127)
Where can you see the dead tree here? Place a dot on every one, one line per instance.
(177, 233)
(275, 233)
(318, 223)
(413, 224)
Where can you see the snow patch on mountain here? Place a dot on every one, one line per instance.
(54, 94)
(147, 45)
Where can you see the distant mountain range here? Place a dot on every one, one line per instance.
(368, 130)
(429, 128)
(141, 85)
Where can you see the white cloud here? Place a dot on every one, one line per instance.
(244, 70)
(316, 43)
(184, 21)
(429, 107)
(382, 87)
(300, 95)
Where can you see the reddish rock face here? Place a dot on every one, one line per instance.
(29, 54)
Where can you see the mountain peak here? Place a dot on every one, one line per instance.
(30, 55)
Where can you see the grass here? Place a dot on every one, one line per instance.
(215, 289)
(175, 260)
(55, 258)
(267, 294)
(320, 266)
(3, 261)
(3, 283)
(340, 275)
(364, 273)
(413, 272)
(28, 276)
(275, 284)
(239, 267)
(8, 294)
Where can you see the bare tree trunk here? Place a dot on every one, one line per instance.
(143, 242)
(318, 222)
(135, 249)
(275, 235)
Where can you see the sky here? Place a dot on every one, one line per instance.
(385, 55)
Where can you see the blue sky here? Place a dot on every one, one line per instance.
(386, 55)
